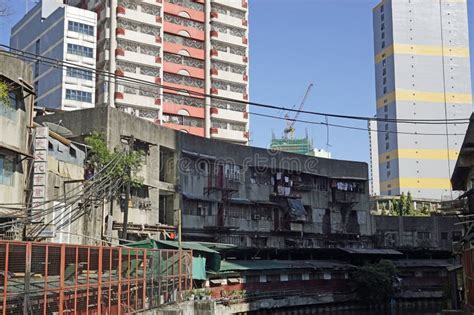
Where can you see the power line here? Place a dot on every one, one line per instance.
(59, 63)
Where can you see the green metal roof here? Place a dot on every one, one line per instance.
(244, 265)
(149, 243)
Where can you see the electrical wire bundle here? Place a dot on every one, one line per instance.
(74, 204)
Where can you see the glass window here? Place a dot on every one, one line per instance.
(7, 169)
(80, 50)
(9, 110)
(273, 278)
(80, 96)
(81, 28)
(79, 73)
(294, 277)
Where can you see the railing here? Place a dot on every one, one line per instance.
(48, 278)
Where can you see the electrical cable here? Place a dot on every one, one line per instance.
(57, 63)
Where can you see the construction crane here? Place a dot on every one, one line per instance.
(290, 122)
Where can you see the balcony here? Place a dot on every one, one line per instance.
(236, 4)
(175, 48)
(227, 19)
(346, 196)
(136, 57)
(227, 134)
(198, 131)
(80, 60)
(192, 111)
(228, 38)
(229, 94)
(230, 115)
(175, 9)
(229, 57)
(229, 76)
(135, 100)
(139, 37)
(137, 16)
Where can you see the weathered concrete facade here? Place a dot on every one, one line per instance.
(247, 196)
(15, 120)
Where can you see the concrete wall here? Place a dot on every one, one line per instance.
(435, 232)
(14, 130)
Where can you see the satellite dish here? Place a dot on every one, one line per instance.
(63, 131)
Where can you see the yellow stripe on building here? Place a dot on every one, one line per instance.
(422, 50)
(419, 154)
(416, 183)
(423, 96)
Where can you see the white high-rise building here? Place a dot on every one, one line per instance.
(54, 30)
(192, 47)
(422, 71)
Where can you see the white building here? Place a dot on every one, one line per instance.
(54, 30)
(422, 71)
(192, 47)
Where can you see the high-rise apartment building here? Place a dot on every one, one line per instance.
(422, 71)
(54, 30)
(192, 48)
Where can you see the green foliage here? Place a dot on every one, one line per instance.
(4, 94)
(405, 206)
(375, 283)
(100, 156)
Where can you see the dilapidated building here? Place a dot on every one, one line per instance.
(229, 193)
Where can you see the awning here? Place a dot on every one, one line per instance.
(371, 251)
(11, 148)
(265, 202)
(197, 197)
(241, 201)
(209, 157)
(233, 280)
(217, 281)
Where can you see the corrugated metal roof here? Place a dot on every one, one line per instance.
(371, 251)
(422, 263)
(197, 197)
(243, 265)
(188, 245)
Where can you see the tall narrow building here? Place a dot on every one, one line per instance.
(422, 71)
(193, 48)
(54, 30)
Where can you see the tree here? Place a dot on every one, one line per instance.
(126, 166)
(375, 283)
(4, 94)
(409, 207)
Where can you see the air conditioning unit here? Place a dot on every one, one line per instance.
(255, 217)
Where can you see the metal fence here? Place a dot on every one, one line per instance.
(49, 278)
(468, 269)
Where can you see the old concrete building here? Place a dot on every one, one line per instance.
(15, 137)
(231, 193)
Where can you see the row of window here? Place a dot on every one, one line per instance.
(79, 73)
(297, 277)
(80, 96)
(81, 28)
(80, 50)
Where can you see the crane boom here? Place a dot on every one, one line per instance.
(290, 123)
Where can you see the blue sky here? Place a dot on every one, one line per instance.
(326, 42)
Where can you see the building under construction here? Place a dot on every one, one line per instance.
(298, 146)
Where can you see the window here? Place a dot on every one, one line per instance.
(80, 96)
(383, 35)
(384, 80)
(80, 50)
(382, 17)
(384, 71)
(273, 278)
(444, 236)
(316, 276)
(294, 277)
(388, 164)
(383, 44)
(381, 8)
(382, 27)
(36, 70)
(252, 279)
(384, 90)
(79, 73)
(424, 235)
(9, 111)
(232, 171)
(386, 126)
(385, 108)
(387, 145)
(7, 169)
(81, 28)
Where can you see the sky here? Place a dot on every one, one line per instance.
(324, 42)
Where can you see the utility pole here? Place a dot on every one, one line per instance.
(127, 191)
